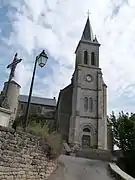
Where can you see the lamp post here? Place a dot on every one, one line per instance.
(41, 59)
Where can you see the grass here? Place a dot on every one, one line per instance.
(53, 138)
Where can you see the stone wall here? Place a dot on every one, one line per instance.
(97, 154)
(63, 111)
(24, 156)
(117, 173)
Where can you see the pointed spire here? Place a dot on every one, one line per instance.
(87, 33)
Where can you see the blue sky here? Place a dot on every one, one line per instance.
(56, 26)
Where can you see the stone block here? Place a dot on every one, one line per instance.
(22, 157)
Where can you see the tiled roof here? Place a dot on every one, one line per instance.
(38, 100)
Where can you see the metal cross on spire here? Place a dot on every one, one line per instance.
(88, 12)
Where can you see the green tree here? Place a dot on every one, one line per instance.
(123, 127)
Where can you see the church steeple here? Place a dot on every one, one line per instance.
(87, 51)
(87, 33)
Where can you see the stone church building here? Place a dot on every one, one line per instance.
(81, 111)
(80, 114)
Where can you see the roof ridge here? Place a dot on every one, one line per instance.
(37, 97)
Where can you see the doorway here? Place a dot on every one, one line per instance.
(85, 141)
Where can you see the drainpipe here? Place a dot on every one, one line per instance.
(97, 105)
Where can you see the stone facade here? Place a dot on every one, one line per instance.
(63, 111)
(23, 156)
(86, 115)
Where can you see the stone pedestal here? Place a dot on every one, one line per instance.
(5, 115)
(12, 98)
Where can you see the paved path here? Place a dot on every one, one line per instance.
(74, 168)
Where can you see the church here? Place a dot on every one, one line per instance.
(81, 112)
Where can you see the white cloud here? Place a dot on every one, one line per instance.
(22, 35)
(57, 27)
(35, 8)
(23, 76)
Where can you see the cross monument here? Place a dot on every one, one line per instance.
(12, 66)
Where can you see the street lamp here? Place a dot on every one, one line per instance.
(41, 59)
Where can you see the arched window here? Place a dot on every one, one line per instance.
(86, 130)
(85, 57)
(93, 58)
(86, 104)
(90, 104)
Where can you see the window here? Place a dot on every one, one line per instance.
(38, 109)
(14, 110)
(86, 104)
(90, 104)
(85, 57)
(92, 58)
(86, 130)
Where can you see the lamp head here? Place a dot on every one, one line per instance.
(42, 59)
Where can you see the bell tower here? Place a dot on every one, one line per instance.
(88, 122)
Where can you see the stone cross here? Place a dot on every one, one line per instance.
(3, 98)
(13, 65)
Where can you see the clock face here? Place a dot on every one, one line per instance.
(89, 78)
